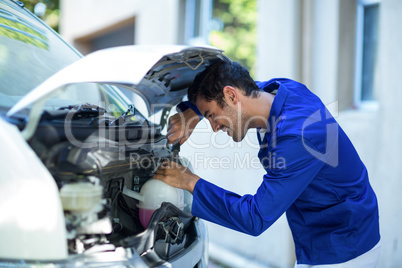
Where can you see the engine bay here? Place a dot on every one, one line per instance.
(98, 168)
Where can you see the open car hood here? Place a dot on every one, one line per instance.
(159, 74)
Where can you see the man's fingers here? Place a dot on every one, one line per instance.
(172, 137)
(182, 140)
(169, 166)
(158, 177)
(166, 165)
(171, 124)
(161, 173)
(174, 120)
(181, 125)
(175, 137)
(175, 134)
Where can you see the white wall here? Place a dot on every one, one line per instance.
(277, 39)
(325, 49)
(157, 25)
(156, 21)
(387, 152)
(82, 18)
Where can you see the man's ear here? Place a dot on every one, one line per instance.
(230, 95)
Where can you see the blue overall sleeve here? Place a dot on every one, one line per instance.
(184, 105)
(281, 186)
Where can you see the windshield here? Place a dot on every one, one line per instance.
(30, 53)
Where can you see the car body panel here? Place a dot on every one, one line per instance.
(31, 211)
(150, 71)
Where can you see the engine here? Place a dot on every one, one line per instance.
(99, 177)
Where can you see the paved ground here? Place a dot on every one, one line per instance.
(221, 257)
(214, 264)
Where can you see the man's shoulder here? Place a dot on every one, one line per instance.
(275, 82)
(307, 118)
(303, 115)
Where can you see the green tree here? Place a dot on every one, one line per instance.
(234, 30)
(47, 10)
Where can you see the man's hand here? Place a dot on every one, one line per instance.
(181, 125)
(176, 175)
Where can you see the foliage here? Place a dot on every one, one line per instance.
(235, 30)
(50, 14)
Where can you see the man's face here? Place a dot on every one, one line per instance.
(228, 119)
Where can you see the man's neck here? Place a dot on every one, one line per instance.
(259, 108)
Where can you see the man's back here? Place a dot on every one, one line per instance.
(335, 218)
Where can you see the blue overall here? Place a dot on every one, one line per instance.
(314, 174)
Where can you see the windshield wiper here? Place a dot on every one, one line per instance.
(74, 112)
(85, 110)
(127, 115)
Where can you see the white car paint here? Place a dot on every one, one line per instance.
(31, 210)
(124, 66)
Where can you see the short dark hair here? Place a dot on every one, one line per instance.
(209, 83)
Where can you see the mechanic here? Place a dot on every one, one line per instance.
(321, 184)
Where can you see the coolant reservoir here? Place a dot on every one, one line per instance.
(154, 193)
(80, 196)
